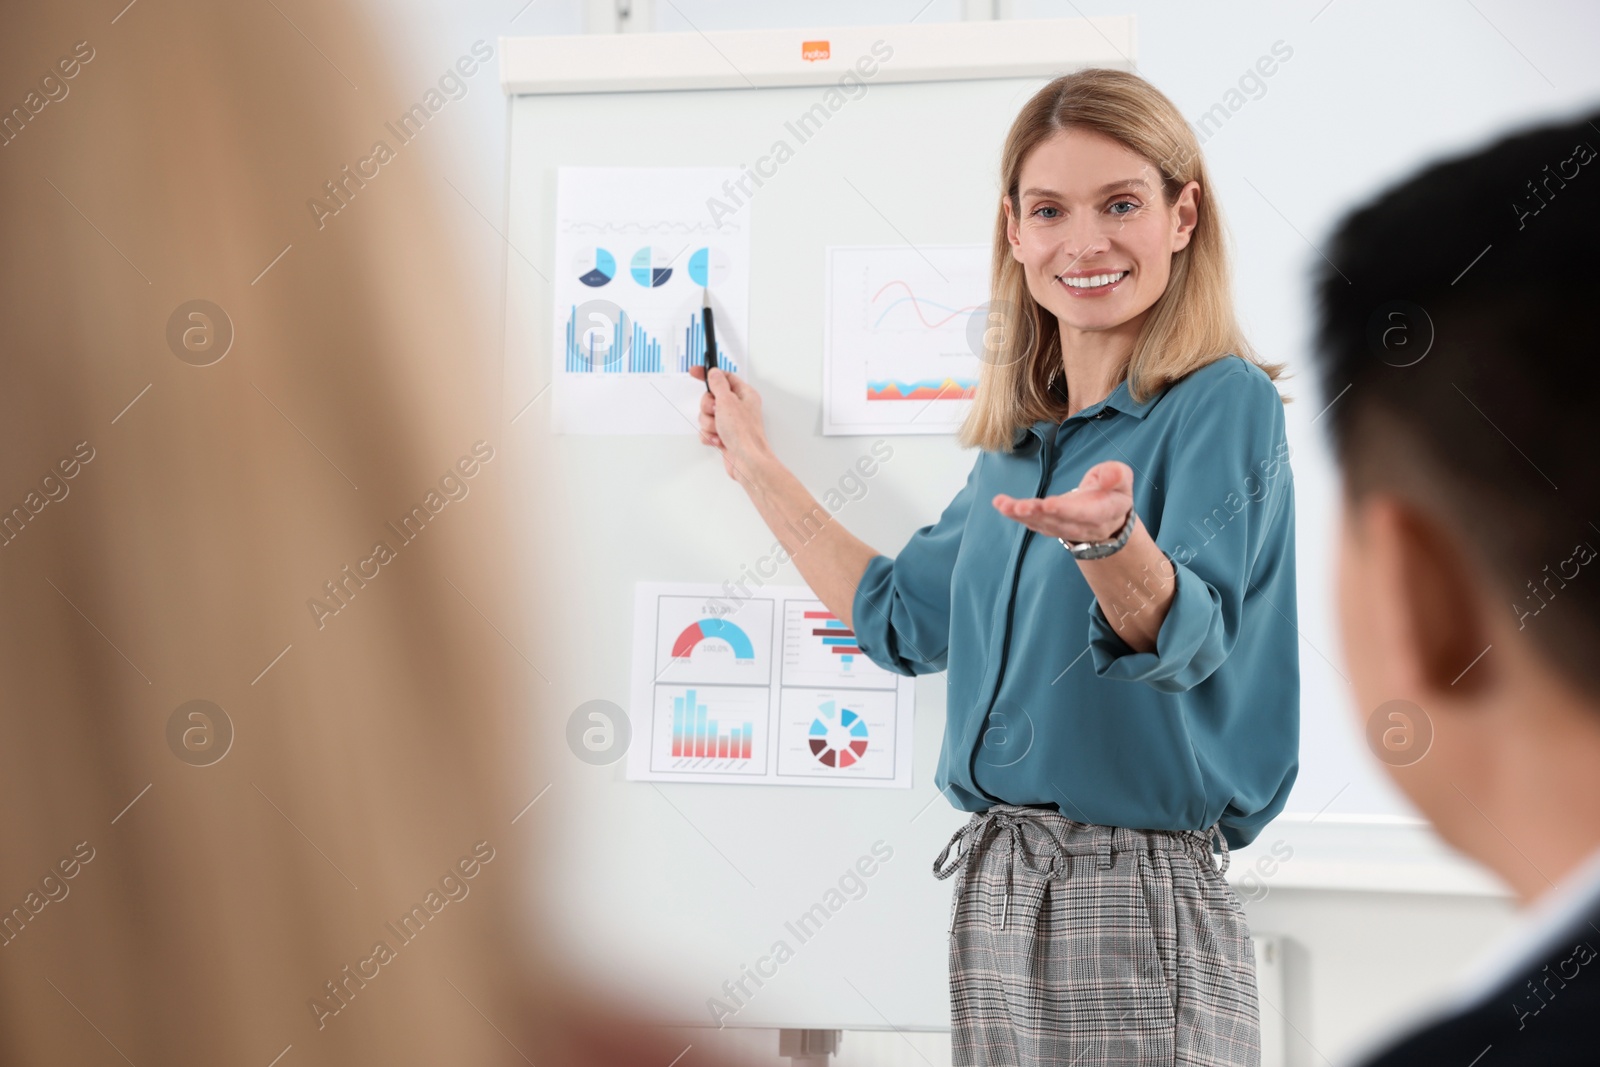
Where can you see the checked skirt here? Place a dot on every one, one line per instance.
(1095, 946)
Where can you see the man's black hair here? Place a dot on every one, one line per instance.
(1456, 344)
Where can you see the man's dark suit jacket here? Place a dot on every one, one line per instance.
(1545, 1013)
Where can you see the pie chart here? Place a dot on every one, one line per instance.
(651, 267)
(708, 265)
(595, 267)
(838, 736)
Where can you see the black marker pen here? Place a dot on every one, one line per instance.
(711, 335)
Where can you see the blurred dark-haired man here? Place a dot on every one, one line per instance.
(1456, 348)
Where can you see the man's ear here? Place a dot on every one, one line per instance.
(1439, 598)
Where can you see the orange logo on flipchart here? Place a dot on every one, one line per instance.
(811, 51)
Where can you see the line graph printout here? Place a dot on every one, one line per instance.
(903, 337)
(635, 250)
(766, 689)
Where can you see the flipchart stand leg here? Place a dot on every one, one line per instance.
(809, 1048)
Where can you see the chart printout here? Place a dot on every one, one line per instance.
(766, 689)
(636, 249)
(904, 333)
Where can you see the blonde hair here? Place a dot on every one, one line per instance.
(169, 522)
(1190, 325)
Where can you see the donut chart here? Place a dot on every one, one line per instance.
(838, 736)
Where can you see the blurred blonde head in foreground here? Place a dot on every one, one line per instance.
(263, 737)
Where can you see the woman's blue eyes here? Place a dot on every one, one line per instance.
(1131, 205)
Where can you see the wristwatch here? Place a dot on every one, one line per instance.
(1100, 549)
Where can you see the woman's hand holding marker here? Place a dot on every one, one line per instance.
(730, 421)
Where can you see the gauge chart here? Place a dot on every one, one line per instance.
(697, 640)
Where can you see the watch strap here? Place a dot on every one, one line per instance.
(1100, 549)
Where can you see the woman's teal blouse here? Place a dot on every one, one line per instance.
(1047, 705)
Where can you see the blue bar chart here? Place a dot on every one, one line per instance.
(610, 347)
(694, 347)
(623, 346)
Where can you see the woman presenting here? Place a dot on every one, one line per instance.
(1112, 593)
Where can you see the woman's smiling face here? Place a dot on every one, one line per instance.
(1093, 234)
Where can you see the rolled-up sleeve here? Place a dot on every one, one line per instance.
(901, 609)
(1229, 480)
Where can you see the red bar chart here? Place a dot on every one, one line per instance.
(693, 734)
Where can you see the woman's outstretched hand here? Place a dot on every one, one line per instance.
(730, 421)
(1094, 511)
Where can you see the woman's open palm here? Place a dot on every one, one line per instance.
(1094, 511)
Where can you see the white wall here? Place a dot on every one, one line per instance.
(1372, 90)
